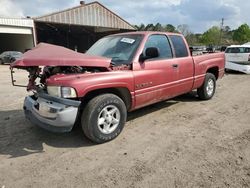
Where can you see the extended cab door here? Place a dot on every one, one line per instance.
(155, 79)
(184, 64)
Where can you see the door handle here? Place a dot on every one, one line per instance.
(175, 66)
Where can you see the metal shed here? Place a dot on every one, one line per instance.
(16, 34)
(79, 27)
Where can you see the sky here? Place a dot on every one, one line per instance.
(199, 15)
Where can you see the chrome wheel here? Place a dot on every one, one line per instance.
(210, 87)
(108, 119)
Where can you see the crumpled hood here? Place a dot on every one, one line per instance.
(51, 55)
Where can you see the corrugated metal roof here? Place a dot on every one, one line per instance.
(91, 14)
(21, 22)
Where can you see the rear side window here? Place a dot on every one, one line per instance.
(161, 42)
(247, 50)
(238, 50)
(179, 46)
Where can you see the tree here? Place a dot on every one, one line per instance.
(193, 39)
(149, 27)
(170, 28)
(140, 27)
(226, 36)
(242, 34)
(227, 29)
(211, 36)
(158, 27)
(184, 29)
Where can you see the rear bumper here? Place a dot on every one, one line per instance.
(238, 67)
(51, 113)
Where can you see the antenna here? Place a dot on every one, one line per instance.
(222, 23)
(221, 30)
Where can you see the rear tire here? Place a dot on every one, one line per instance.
(207, 90)
(103, 118)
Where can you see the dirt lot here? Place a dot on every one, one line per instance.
(178, 143)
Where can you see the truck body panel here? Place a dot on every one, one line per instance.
(148, 81)
(51, 55)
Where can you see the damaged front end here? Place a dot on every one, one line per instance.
(52, 113)
(43, 107)
(33, 75)
(54, 107)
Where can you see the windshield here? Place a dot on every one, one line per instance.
(120, 48)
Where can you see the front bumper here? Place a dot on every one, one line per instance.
(51, 113)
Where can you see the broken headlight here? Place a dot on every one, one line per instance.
(60, 91)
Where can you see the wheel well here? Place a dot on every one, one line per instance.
(214, 71)
(121, 92)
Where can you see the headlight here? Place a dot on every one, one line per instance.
(64, 92)
(54, 91)
(68, 92)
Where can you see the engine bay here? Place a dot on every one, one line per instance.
(38, 75)
(50, 71)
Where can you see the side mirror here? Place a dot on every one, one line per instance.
(151, 52)
(191, 49)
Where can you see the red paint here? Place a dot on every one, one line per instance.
(148, 82)
(51, 55)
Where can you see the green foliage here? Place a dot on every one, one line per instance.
(150, 27)
(170, 28)
(227, 29)
(242, 34)
(140, 27)
(226, 36)
(211, 36)
(193, 39)
(156, 27)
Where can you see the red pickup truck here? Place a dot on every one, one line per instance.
(119, 73)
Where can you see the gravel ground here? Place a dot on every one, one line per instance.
(182, 142)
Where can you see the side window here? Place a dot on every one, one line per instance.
(161, 42)
(247, 50)
(241, 50)
(179, 46)
(228, 50)
(233, 50)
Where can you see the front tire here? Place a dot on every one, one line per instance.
(103, 118)
(207, 90)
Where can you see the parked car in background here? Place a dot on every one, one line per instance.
(223, 48)
(9, 56)
(238, 58)
(198, 50)
(210, 49)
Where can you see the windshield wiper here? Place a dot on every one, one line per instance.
(116, 59)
